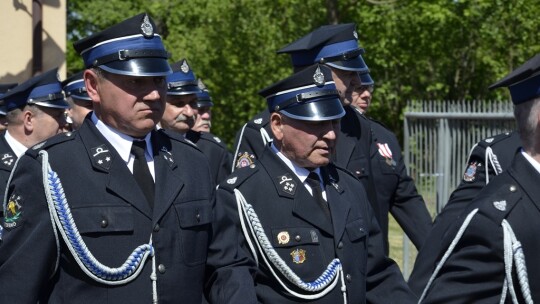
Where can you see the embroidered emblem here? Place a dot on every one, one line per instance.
(318, 77)
(470, 172)
(283, 238)
(102, 157)
(146, 27)
(244, 160)
(217, 139)
(298, 256)
(167, 156)
(184, 67)
(314, 236)
(384, 151)
(500, 205)
(8, 159)
(258, 121)
(13, 212)
(489, 140)
(288, 184)
(231, 180)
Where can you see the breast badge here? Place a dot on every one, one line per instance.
(384, 151)
(298, 256)
(470, 173)
(283, 238)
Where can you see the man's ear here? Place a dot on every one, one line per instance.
(276, 123)
(28, 122)
(91, 81)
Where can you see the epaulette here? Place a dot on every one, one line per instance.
(52, 141)
(213, 139)
(491, 141)
(179, 138)
(497, 206)
(259, 121)
(239, 176)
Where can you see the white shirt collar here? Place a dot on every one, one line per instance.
(121, 142)
(15, 145)
(300, 172)
(531, 160)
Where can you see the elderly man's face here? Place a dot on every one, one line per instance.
(346, 82)
(179, 113)
(309, 144)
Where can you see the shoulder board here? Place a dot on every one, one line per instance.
(178, 138)
(491, 141)
(239, 176)
(499, 204)
(52, 141)
(212, 138)
(260, 120)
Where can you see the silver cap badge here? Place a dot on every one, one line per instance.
(146, 27)
(184, 67)
(318, 77)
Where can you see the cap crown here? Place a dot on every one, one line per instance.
(523, 82)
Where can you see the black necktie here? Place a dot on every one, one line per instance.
(315, 183)
(141, 172)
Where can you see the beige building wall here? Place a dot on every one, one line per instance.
(16, 48)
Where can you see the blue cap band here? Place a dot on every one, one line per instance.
(313, 56)
(45, 90)
(280, 97)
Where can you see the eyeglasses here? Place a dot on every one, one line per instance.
(363, 87)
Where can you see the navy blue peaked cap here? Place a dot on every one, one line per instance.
(203, 98)
(43, 90)
(182, 81)
(310, 94)
(74, 87)
(335, 45)
(523, 82)
(131, 47)
(4, 87)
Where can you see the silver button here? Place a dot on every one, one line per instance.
(297, 238)
(161, 268)
(104, 223)
(156, 228)
(349, 277)
(198, 217)
(513, 188)
(340, 245)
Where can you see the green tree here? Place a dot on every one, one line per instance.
(415, 49)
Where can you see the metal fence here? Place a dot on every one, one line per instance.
(438, 136)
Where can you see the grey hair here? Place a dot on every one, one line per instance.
(527, 116)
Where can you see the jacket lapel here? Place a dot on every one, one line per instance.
(108, 162)
(289, 186)
(339, 207)
(168, 182)
(527, 178)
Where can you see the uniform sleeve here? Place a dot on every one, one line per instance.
(28, 251)
(385, 282)
(231, 271)
(474, 272)
(409, 208)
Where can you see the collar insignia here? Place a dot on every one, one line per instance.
(8, 159)
(288, 185)
(167, 156)
(101, 157)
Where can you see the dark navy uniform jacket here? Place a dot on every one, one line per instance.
(504, 147)
(194, 241)
(396, 191)
(351, 150)
(474, 273)
(219, 157)
(352, 235)
(7, 161)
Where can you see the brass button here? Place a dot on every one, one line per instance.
(297, 238)
(340, 245)
(104, 223)
(161, 268)
(156, 228)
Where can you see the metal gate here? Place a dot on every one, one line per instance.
(438, 136)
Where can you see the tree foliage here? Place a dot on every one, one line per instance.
(415, 49)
